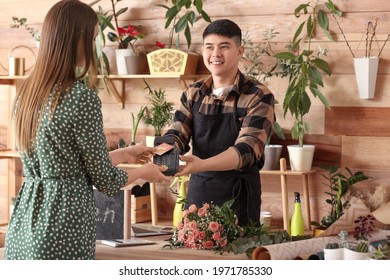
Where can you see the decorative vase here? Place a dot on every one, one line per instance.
(169, 62)
(137, 64)
(301, 158)
(121, 61)
(272, 156)
(366, 70)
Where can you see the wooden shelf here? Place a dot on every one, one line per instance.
(9, 154)
(120, 96)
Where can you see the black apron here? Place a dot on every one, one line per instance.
(213, 134)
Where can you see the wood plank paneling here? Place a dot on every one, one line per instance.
(358, 121)
(366, 152)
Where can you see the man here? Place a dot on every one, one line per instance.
(228, 117)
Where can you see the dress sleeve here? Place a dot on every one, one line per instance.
(92, 143)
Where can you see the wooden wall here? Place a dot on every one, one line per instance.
(343, 135)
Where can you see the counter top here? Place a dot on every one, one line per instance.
(155, 252)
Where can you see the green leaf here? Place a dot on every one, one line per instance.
(315, 76)
(121, 11)
(299, 31)
(322, 64)
(181, 24)
(285, 56)
(187, 34)
(205, 16)
(300, 8)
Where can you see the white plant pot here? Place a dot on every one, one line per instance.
(366, 70)
(272, 155)
(334, 254)
(301, 158)
(121, 61)
(353, 255)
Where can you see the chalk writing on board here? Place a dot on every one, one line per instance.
(109, 216)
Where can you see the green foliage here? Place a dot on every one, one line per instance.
(135, 123)
(339, 185)
(182, 16)
(303, 67)
(160, 113)
(22, 22)
(334, 245)
(255, 68)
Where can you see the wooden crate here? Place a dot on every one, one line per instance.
(140, 209)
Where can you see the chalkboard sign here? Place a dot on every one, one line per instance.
(109, 216)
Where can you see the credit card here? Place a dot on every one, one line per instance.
(163, 148)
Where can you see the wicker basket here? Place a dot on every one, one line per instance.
(169, 62)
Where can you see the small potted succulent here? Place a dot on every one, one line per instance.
(362, 232)
(382, 251)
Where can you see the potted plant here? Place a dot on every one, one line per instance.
(304, 68)
(338, 185)
(382, 251)
(124, 36)
(180, 16)
(159, 115)
(360, 248)
(259, 64)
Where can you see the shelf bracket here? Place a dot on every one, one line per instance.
(119, 97)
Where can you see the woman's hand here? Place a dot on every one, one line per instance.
(152, 173)
(139, 154)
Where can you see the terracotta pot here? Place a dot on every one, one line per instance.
(137, 64)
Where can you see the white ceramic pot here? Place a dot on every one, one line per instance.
(366, 69)
(121, 61)
(353, 255)
(334, 254)
(301, 158)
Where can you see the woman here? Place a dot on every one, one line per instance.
(59, 135)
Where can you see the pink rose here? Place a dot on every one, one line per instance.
(201, 235)
(206, 206)
(202, 211)
(192, 208)
(181, 236)
(213, 226)
(222, 242)
(208, 244)
(185, 213)
(216, 236)
(192, 225)
(179, 225)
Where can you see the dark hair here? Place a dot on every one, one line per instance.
(224, 27)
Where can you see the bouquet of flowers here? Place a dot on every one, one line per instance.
(215, 228)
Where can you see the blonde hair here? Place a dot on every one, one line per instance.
(66, 23)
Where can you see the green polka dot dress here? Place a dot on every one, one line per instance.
(54, 214)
